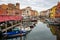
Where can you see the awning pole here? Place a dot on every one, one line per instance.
(6, 25)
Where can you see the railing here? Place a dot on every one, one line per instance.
(10, 27)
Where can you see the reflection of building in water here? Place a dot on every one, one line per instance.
(58, 37)
(56, 31)
(53, 29)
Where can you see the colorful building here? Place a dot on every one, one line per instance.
(10, 9)
(29, 12)
(52, 12)
(14, 9)
(3, 12)
(43, 13)
(57, 15)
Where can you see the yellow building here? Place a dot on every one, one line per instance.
(53, 29)
(52, 12)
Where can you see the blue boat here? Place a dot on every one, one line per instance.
(14, 34)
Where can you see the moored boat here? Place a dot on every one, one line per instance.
(14, 34)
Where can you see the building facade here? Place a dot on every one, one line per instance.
(57, 14)
(29, 12)
(10, 9)
(52, 12)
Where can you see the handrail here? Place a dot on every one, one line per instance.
(10, 27)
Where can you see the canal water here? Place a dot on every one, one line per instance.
(40, 32)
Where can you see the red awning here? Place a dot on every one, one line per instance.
(1, 19)
(15, 17)
(7, 18)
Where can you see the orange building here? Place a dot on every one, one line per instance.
(32, 13)
(43, 13)
(3, 12)
(57, 14)
(18, 12)
(10, 9)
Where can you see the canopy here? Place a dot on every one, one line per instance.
(8, 17)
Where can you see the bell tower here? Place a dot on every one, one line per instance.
(17, 6)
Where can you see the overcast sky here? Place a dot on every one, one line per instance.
(35, 4)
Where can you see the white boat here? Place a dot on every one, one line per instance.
(28, 29)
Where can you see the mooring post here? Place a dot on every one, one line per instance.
(6, 25)
(12, 23)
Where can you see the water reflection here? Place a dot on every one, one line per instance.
(55, 31)
(41, 32)
(24, 24)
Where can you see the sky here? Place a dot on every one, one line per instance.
(38, 5)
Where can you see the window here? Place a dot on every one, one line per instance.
(16, 13)
(27, 11)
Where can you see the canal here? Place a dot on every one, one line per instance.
(40, 32)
